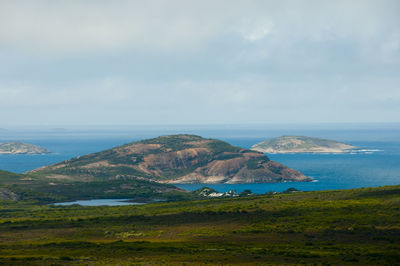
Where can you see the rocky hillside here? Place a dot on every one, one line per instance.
(21, 148)
(301, 144)
(174, 159)
(6, 194)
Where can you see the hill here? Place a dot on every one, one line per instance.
(301, 144)
(343, 227)
(173, 159)
(22, 187)
(21, 148)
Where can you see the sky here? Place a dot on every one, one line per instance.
(199, 62)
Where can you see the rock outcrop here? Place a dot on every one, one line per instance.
(21, 148)
(301, 144)
(174, 159)
(6, 194)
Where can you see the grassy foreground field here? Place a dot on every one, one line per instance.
(359, 226)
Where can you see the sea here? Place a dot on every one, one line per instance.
(378, 165)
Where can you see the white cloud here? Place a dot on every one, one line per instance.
(84, 26)
(195, 61)
(87, 26)
(256, 30)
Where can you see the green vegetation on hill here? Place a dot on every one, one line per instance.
(173, 159)
(9, 177)
(346, 227)
(42, 190)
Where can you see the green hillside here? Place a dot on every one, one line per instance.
(347, 227)
(23, 187)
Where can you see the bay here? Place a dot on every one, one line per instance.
(329, 171)
(99, 202)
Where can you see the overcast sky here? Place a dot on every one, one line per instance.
(199, 62)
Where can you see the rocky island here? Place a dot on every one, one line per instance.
(21, 148)
(173, 159)
(302, 144)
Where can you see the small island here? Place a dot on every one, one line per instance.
(21, 148)
(302, 144)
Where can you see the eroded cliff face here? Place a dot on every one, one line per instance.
(175, 159)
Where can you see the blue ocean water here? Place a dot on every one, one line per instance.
(330, 171)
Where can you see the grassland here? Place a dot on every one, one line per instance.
(331, 227)
(42, 190)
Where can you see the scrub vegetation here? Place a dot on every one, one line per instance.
(344, 227)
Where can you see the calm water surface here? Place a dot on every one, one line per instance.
(330, 171)
(99, 202)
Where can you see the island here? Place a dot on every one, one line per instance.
(174, 159)
(147, 170)
(302, 144)
(21, 148)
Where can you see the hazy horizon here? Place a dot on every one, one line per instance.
(340, 125)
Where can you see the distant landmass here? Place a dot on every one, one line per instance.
(144, 171)
(21, 148)
(173, 159)
(302, 144)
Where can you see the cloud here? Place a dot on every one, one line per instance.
(255, 99)
(256, 30)
(198, 61)
(83, 26)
